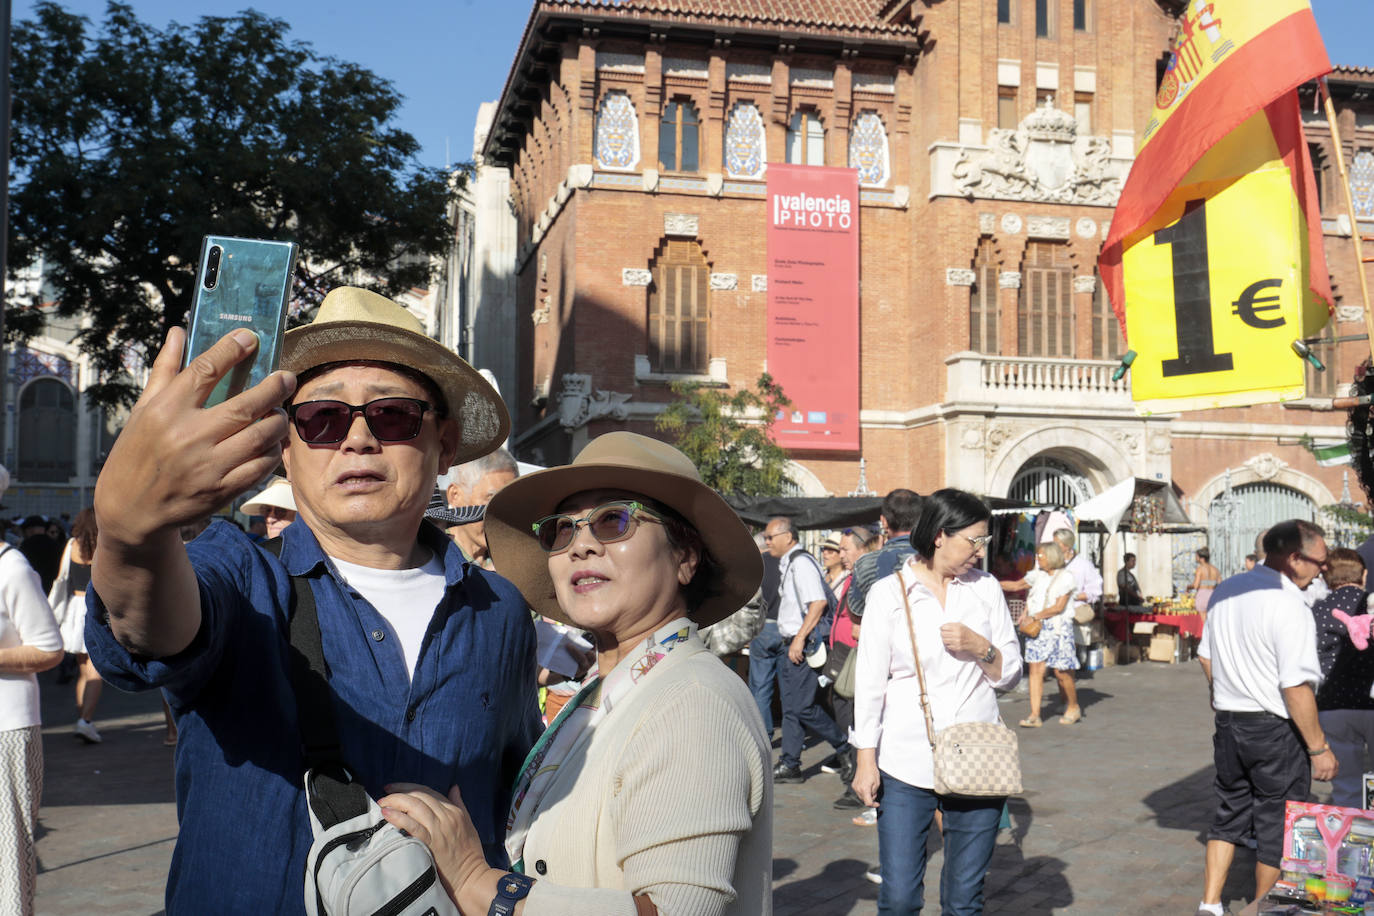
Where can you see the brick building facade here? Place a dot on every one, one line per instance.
(992, 139)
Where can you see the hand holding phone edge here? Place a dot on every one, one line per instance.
(176, 462)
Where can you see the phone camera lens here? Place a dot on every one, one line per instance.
(212, 266)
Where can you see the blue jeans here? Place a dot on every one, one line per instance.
(764, 651)
(905, 814)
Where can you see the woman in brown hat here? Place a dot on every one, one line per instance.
(650, 792)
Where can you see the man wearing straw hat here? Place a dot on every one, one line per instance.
(431, 661)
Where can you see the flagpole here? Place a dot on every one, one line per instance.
(1350, 209)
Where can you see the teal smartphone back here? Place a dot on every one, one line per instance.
(241, 283)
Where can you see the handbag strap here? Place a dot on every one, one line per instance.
(916, 657)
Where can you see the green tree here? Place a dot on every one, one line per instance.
(131, 143)
(729, 436)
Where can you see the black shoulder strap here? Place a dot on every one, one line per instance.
(333, 796)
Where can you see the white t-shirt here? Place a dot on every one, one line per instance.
(1260, 638)
(406, 599)
(25, 620)
(801, 586)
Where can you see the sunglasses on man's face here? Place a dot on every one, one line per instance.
(608, 523)
(328, 422)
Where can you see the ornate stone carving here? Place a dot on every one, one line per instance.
(1085, 284)
(578, 404)
(759, 283)
(972, 439)
(1349, 313)
(1266, 466)
(1043, 160)
(1130, 441)
(987, 223)
(998, 434)
(959, 276)
(724, 281)
(680, 225)
(1011, 223)
(1160, 444)
(1047, 227)
(636, 276)
(1086, 228)
(1009, 279)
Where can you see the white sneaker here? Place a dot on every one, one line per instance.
(874, 874)
(87, 732)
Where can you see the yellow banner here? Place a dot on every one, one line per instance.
(1209, 32)
(1217, 287)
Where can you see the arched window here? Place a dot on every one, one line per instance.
(1050, 482)
(617, 133)
(1044, 322)
(47, 432)
(1234, 521)
(677, 137)
(806, 139)
(868, 149)
(680, 309)
(983, 314)
(746, 154)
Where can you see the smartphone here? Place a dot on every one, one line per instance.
(241, 283)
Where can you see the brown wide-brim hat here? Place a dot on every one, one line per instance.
(357, 325)
(636, 464)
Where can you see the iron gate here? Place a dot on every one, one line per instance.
(1255, 507)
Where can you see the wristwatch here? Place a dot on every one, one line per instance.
(989, 655)
(510, 890)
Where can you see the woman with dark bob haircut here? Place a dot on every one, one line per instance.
(955, 614)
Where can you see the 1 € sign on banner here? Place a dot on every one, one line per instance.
(1217, 288)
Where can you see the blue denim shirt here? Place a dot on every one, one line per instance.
(468, 716)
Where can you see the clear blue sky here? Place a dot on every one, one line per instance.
(448, 56)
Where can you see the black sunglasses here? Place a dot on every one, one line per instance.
(328, 422)
(608, 523)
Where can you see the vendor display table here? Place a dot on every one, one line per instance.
(1120, 622)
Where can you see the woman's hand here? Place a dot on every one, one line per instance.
(959, 638)
(866, 777)
(444, 826)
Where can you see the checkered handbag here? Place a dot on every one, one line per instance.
(972, 759)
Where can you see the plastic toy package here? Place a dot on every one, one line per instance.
(1328, 864)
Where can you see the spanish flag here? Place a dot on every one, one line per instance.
(1214, 261)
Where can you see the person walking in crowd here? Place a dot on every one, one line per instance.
(844, 638)
(275, 504)
(68, 601)
(763, 659)
(1206, 578)
(40, 548)
(1087, 580)
(897, 517)
(615, 811)
(1127, 586)
(1259, 654)
(30, 642)
(833, 563)
(954, 614)
(803, 599)
(432, 659)
(1344, 706)
(475, 483)
(1051, 588)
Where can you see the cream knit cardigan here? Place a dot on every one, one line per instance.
(672, 796)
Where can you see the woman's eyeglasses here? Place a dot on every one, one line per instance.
(608, 523)
(978, 542)
(328, 422)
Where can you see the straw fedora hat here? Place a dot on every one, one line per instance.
(635, 464)
(277, 495)
(354, 325)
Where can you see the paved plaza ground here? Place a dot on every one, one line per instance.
(1111, 822)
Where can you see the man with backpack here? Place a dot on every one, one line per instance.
(804, 601)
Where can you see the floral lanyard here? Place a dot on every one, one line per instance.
(575, 724)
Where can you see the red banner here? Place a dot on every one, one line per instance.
(813, 304)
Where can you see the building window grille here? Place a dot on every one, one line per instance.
(47, 432)
(680, 309)
(1045, 316)
(677, 137)
(806, 139)
(745, 149)
(983, 314)
(1323, 384)
(1107, 342)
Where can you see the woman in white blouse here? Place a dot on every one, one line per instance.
(968, 649)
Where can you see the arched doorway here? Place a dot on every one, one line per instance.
(1251, 509)
(1050, 482)
(47, 432)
